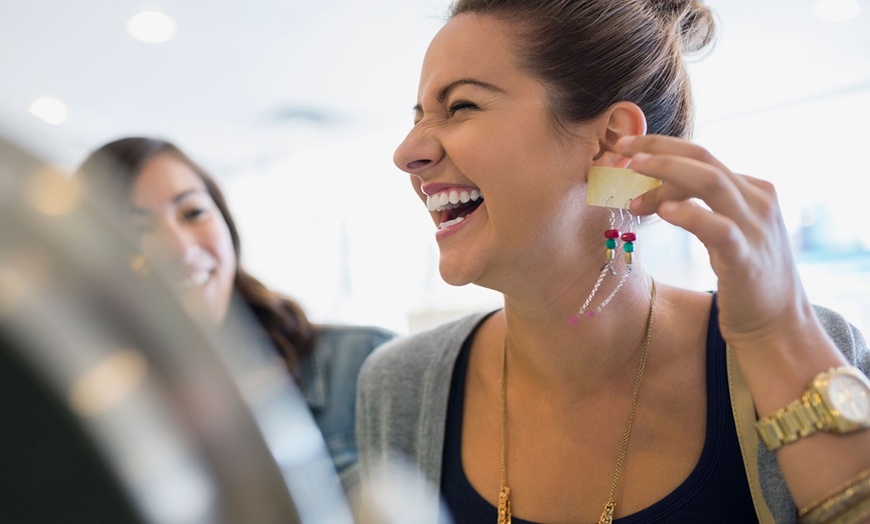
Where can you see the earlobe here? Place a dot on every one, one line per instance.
(621, 119)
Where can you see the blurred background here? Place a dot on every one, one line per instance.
(296, 107)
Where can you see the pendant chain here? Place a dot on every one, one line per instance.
(504, 502)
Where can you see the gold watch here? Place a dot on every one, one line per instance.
(837, 401)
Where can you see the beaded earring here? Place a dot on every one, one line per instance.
(611, 242)
(606, 184)
(628, 239)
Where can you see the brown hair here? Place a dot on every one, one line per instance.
(113, 169)
(594, 53)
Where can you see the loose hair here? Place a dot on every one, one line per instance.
(112, 170)
(594, 53)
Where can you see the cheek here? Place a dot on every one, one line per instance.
(152, 247)
(417, 183)
(227, 253)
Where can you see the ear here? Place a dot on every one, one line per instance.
(619, 120)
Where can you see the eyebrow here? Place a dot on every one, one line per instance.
(445, 91)
(177, 199)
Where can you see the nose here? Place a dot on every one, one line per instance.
(420, 150)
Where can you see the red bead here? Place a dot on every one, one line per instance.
(611, 233)
(629, 237)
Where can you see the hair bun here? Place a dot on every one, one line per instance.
(691, 20)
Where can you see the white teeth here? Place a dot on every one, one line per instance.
(193, 281)
(445, 225)
(451, 199)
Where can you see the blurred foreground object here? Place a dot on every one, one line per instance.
(114, 406)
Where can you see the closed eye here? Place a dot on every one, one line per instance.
(461, 105)
(192, 214)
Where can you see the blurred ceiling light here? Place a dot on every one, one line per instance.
(152, 27)
(836, 10)
(49, 109)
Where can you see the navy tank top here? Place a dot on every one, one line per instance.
(716, 491)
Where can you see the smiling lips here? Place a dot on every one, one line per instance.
(194, 281)
(454, 205)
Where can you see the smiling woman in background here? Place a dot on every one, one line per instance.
(184, 225)
(597, 393)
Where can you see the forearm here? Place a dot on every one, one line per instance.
(778, 370)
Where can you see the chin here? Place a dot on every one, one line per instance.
(456, 275)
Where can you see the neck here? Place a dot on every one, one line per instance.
(545, 348)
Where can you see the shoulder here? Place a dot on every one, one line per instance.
(341, 350)
(415, 354)
(340, 337)
(402, 396)
(339, 353)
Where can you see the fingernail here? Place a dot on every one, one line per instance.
(636, 204)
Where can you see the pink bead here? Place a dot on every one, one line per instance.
(589, 314)
(573, 320)
(611, 233)
(629, 237)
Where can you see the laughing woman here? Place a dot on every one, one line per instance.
(595, 393)
(183, 223)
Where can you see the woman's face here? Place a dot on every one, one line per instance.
(502, 184)
(182, 229)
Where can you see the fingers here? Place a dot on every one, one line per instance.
(686, 178)
(688, 171)
(668, 145)
(720, 235)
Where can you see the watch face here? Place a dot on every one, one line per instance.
(851, 397)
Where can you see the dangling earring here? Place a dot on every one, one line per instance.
(611, 237)
(603, 185)
(627, 246)
(628, 239)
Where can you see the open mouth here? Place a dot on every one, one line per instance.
(193, 281)
(454, 205)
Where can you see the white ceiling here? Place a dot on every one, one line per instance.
(257, 79)
(238, 78)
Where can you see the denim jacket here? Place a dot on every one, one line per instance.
(328, 378)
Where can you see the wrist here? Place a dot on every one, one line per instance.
(779, 369)
(836, 401)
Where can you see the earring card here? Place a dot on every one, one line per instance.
(615, 187)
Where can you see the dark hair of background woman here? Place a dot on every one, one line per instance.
(114, 167)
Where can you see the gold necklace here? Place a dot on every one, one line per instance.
(504, 495)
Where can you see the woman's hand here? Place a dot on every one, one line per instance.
(759, 291)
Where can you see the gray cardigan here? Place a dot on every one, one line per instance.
(402, 409)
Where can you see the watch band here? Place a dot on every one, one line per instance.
(798, 419)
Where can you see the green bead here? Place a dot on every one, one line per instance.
(628, 247)
(610, 243)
